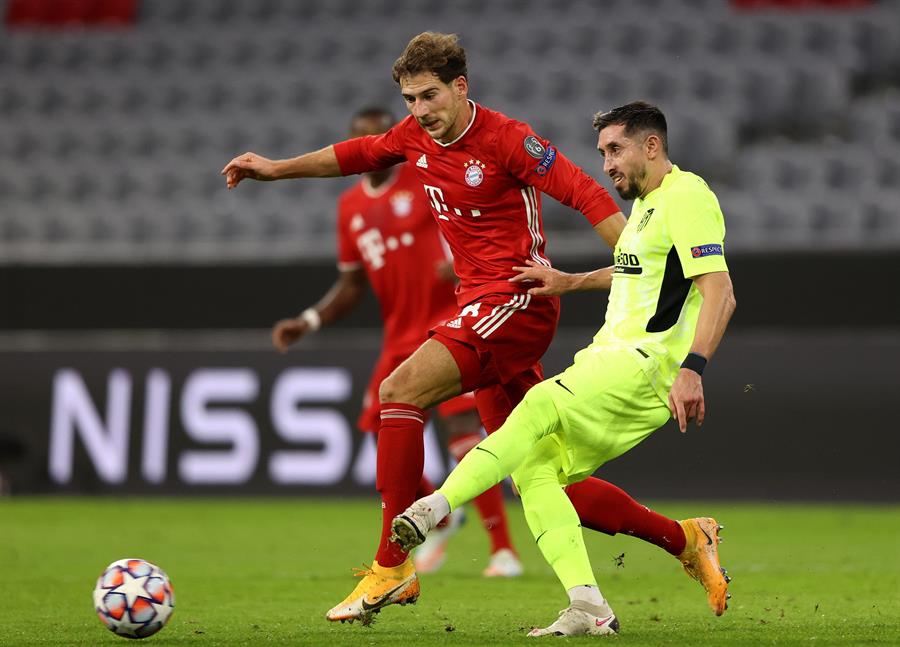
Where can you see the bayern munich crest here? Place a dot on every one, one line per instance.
(474, 172)
(402, 203)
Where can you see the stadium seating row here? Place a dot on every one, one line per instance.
(118, 135)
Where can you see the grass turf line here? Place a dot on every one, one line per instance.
(263, 571)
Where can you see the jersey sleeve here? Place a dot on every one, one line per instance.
(536, 162)
(371, 153)
(349, 257)
(697, 228)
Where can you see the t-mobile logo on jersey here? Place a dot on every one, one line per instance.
(437, 203)
(374, 246)
(371, 244)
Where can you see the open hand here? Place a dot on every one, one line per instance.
(553, 282)
(686, 399)
(248, 165)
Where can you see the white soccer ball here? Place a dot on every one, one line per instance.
(133, 598)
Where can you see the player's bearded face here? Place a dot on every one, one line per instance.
(435, 105)
(623, 161)
(631, 185)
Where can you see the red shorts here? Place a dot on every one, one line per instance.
(370, 417)
(498, 342)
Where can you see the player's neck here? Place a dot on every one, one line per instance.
(657, 172)
(462, 123)
(377, 181)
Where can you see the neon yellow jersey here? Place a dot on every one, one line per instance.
(676, 232)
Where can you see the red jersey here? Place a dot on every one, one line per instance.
(484, 190)
(389, 231)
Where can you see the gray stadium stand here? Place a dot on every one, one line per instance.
(111, 141)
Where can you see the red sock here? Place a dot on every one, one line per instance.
(425, 488)
(400, 460)
(490, 502)
(604, 507)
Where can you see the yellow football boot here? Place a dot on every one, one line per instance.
(700, 559)
(379, 587)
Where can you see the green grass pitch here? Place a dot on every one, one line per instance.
(264, 571)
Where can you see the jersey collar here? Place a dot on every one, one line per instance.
(667, 180)
(463, 133)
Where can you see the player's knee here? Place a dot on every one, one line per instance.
(526, 481)
(536, 413)
(389, 390)
(397, 387)
(539, 396)
(517, 479)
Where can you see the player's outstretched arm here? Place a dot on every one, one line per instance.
(553, 282)
(686, 396)
(320, 163)
(338, 302)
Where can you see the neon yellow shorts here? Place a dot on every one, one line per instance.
(605, 405)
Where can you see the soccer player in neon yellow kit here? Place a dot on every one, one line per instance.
(670, 301)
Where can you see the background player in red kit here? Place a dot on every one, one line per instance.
(483, 174)
(387, 237)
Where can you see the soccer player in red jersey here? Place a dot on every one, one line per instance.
(387, 238)
(483, 174)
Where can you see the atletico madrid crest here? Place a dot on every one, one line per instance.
(474, 172)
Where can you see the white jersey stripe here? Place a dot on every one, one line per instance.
(507, 315)
(531, 216)
(536, 229)
(496, 312)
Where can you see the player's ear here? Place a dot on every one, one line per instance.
(461, 86)
(652, 146)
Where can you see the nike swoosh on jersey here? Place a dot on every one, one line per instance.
(564, 386)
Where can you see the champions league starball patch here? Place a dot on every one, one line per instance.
(533, 147)
(706, 250)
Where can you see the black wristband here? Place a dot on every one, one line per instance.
(694, 362)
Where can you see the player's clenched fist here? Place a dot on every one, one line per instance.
(248, 165)
(287, 332)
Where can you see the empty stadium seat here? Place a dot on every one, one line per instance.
(130, 129)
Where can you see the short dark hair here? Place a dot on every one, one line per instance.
(375, 112)
(637, 116)
(430, 51)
